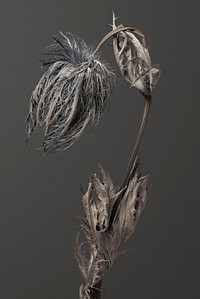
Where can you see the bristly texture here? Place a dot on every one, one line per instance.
(103, 242)
(71, 95)
(133, 59)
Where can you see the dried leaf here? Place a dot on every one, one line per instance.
(132, 205)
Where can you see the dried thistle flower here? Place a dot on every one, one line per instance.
(104, 241)
(133, 59)
(71, 95)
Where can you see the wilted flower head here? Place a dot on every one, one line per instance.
(133, 59)
(71, 95)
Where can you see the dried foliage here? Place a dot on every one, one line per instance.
(71, 95)
(133, 59)
(103, 243)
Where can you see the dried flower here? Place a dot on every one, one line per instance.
(71, 95)
(133, 59)
(104, 242)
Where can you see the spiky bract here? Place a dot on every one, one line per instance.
(104, 239)
(133, 59)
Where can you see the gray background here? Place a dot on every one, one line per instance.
(40, 196)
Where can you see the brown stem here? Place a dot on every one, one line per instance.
(132, 161)
(147, 104)
(147, 101)
(96, 292)
(116, 30)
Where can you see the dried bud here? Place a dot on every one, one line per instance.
(133, 59)
(104, 242)
(71, 95)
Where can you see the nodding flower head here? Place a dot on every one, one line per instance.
(71, 95)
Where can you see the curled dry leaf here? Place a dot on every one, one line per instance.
(103, 243)
(133, 59)
(71, 95)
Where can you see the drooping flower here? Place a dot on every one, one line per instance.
(71, 95)
(133, 59)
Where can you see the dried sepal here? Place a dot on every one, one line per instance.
(103, 242)
(71, 95)
(106, 195)
(133, 59)
(132, 205)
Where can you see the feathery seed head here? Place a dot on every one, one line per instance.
(71, 95)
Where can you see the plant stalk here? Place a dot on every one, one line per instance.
(96, 292)
(119, 29)
(147, 104)
(130, 168)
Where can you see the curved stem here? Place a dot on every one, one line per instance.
(96, 291)
(132, 161)
(116, 30)
(147, 104)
